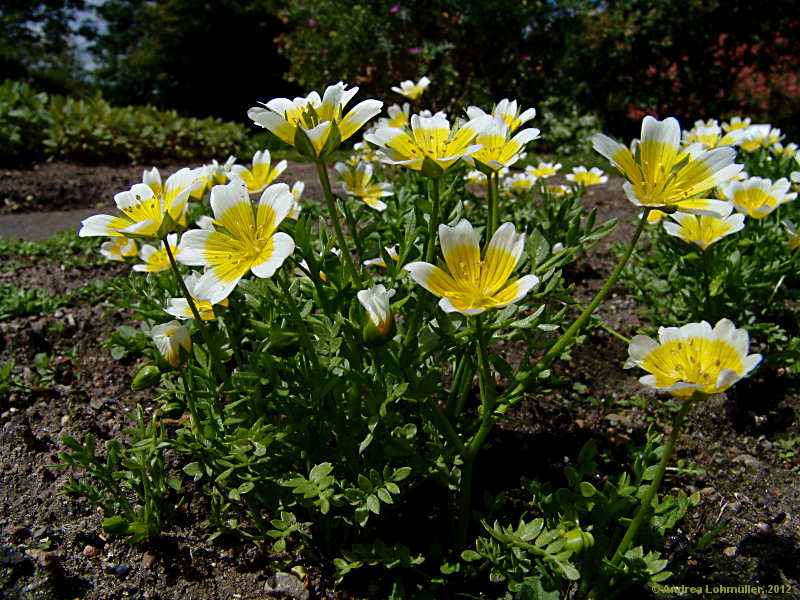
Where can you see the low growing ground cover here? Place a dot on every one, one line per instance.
(583, 423)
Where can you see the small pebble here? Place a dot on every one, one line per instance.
(89, 551)
(764, 527)
(119, 570)
(148, 560)
(731, 551)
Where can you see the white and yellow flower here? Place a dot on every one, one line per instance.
(157, 259)
(498, 148)
(379, 262)
(205, 176)
(520, 183)
(556, 190)
(662, 175)
(543, 170)
(297, 198)
(757, 197)
(693, 358)
(357, 182)
(169, 338)
(703, 230)
(119, 249)
(412, 90)
(144, 207)
(220, 173)
(584, 177)
(247, 239)
(475, 177)
(398, 116)
(471, 285)
(179, 307)
(508, 111)
(753, 137)
(379, 322)
(736, 123)
(787, 151)
(707, 133)
(430, 146)
(315, 126)
(261, 174)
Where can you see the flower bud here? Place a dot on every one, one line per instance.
(378, 322)
(169, 338)
(147, 376)
(577, 539)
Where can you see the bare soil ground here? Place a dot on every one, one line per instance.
(52, 546)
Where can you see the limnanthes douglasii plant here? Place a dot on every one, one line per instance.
(696, 265)
(328, 376)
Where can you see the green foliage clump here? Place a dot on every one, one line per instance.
(37, 126)
(23, 118)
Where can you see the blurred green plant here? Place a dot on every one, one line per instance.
(39, 127)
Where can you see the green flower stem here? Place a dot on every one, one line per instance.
(488, 404)
(493, 181)
(487, 389)
(221, 372)
(305, 339)
(464, 502)
(455, 402)
(630, 533)
(334, 217)
(413, 325)
(557, 348)
(434, 221)
(445, 428)
(707, 285)
(187, 388)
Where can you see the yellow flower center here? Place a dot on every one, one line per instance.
(696, 360)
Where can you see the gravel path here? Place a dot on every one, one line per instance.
(42, 224)
(39, 226)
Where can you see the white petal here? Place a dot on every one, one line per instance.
(639, 348)
(225, 197)
(97, 225)
(283, 246)
(193, 247)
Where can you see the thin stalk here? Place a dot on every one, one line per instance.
(221, 372)
(488, 404)
(305, 339)
(707, 285)
(234, 333)
(630, 533)
(334, 217)
(494, 208)
(487, 389)
(464, 501)
(557, 348)
(434, 221)
(190, 402)
(452, 409)
(610, 330)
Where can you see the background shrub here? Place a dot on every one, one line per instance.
(35, 126)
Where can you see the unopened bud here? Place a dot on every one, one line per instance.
(146, 377)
